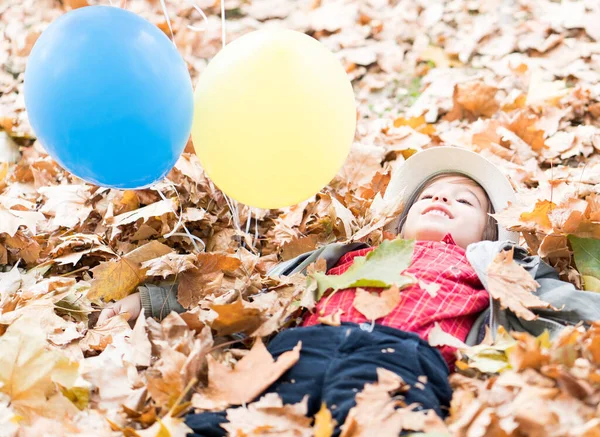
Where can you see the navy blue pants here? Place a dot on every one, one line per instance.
(336, 362)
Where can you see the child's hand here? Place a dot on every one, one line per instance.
(131, 304)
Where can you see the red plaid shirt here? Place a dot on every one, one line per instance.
(458, 302)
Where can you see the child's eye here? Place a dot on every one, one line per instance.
(426, 196)
(465, 201)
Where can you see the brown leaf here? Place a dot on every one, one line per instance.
(298, 246)
(524, 125)
(156, 209)
(374, 305)
(510, 284)
(473, 100)
(194, 286)
(213, 262)
(375, 412)
(269, 415)
(169, 264)
(236, 317)
(250, 377)
(101, 336)
(332, 319)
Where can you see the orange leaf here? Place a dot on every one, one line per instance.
(539, 215)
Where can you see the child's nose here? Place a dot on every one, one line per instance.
(441, 198)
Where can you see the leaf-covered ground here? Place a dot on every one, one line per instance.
(516, 80)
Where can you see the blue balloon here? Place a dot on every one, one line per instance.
(109, 97)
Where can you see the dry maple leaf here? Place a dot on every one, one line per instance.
(375, 412)
(235, 317)
(12, 219)
(213, 262)
(250, 377)
(375, 305)
(194, 286)
(156, 209)
(29, 371)
(169, 264)
(115, 279)
(438, 337)
(332, 319)
(540, 215)
(269, 416)
(101, 336)
(513, 286)
(473, 100)
(524, 124)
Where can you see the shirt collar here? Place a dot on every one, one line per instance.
(449, 240)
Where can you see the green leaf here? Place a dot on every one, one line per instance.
(382, 267)
(587, 259)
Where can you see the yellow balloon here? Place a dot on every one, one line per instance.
(274, 118)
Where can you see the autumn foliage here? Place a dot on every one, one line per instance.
(516, 81)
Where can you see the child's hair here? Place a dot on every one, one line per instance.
(490, 231)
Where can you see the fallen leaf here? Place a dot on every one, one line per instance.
(101, 336)
(333, 319)
(540, 215)
(586, 252)
(250, 376)
(167, 427)
(374, 305)
(116, 279)
(438, 337)
(194, 286)
(156, 209)
(324, 422)
(236, 317)
(269, 416)
(375, 412)
(169, 264)
(381, 267)
(29, 371)
(473, 100)
(513, 286)
(12, 219)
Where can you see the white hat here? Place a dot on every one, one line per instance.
(423, 165)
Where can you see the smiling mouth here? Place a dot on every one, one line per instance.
(437, 212)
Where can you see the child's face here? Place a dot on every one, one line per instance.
(450, 205)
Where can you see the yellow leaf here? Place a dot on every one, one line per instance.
(591, 283)
(29, 370)
(116, 279)
(539, 215)
(324, 423)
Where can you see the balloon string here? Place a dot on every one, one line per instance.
(223, 32)
(166, 13)
(180, 223)
(202, 14)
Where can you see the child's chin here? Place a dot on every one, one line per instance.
(432, 233)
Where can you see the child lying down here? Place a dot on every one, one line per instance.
(449, 195)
